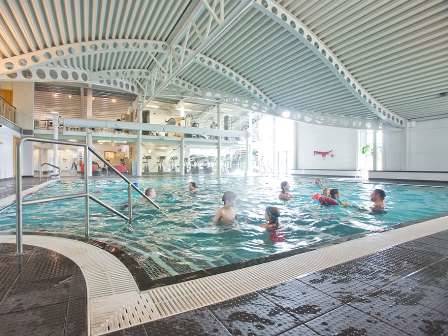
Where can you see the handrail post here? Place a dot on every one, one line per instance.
(19, 230)
(86, 190)
(130, 203)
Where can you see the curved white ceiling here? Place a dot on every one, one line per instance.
(337, 62)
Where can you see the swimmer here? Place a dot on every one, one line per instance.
(226, 214)
(192, 187)
(334, 194)
(285, 195)
(326, 192)
(377, 197)
(272, 215)
(151, 193)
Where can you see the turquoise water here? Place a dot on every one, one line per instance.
(184, 239)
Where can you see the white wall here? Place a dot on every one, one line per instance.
(6, 152)
(343, 142)
(394, 149)
(428, 146)
(420, 147)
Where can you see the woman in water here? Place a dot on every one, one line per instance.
(285, 195)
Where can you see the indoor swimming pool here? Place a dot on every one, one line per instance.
(183, 239)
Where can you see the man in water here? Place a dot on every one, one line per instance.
(377, 197)
(151, 193)
(226, 214)
(192, 187)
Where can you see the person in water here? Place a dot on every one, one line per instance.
(151, 193)
(334, 194)
(192, 187)
(326, 192)
(377, 197)
(226, 214)
(272, 215)
(285, 195)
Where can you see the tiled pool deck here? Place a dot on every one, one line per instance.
(399, 291)
(402, 290)
(41, 293)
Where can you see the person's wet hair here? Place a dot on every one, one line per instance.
(283, 185)
(148, 191)
(193, 184)
(229, 196)
(381, 193)
(333, 193)
(273, 214)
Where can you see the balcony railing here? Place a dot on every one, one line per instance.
(7, 110)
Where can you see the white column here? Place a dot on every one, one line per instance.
(182, 156)
(139, 144)
(249, 146)
(274, 146)
(56, 137)
(89, 103)
(406, 158)
(296, 145)
(23, 100)
(218, 110)
(88, 164)
(375, 151)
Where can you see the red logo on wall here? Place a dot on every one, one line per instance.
(324, 154)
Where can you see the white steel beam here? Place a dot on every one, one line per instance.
(305, 35)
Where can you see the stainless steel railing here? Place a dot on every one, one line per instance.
(50, 165)
(86, 195)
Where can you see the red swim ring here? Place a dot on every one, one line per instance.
(324, 200)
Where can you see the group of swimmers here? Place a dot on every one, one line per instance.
(330, 196)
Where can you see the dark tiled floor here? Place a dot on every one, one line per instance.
(41, 293)
(8, 186)
(399, 291)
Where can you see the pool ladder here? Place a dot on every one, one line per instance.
(88, 150)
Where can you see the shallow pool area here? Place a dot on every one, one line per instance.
(183, 238)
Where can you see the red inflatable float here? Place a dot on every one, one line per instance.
(324, 200)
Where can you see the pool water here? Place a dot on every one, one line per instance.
(184, 239)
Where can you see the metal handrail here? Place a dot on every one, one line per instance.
(86, 195)
(50, 165)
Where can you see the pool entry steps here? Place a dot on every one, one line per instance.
(115, 301)
(88, 150)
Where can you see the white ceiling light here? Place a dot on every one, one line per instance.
(181, 108)
(153, 106)
(286, 114)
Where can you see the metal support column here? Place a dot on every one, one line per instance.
(86, 189)
(218, 110)
(130, 203)
(182, 156)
